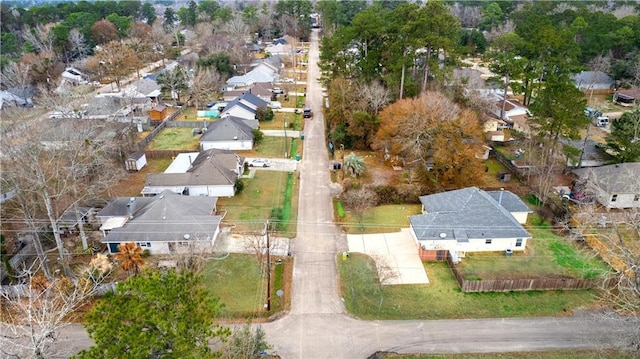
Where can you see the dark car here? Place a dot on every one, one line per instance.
(307, 113)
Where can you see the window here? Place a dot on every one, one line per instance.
(614, 198)
(636, 198)
(487, 241)
(144, 244)
(519, 242)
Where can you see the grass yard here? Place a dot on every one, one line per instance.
(381, 219)
(237, 281)
(292, 120)
(551, 354)
(442, 299)
(272, 147)
(248, 210)
(175, 139)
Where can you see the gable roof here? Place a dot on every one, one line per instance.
(463, 214)
(226, 129)
(247, 101)
(616, 178)
(166, 217)
(212, 167)
(148, 87)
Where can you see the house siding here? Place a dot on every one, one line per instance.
(623, 200)
(212, 191)
(244, 145)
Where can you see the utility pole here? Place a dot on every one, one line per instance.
(266, 231)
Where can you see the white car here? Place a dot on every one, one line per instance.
(259, 162)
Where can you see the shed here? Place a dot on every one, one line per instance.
(136, 161)
(158, 113)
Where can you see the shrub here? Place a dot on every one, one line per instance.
(387, 195)
(145, 253)
(239, 185)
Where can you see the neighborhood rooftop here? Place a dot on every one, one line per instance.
(468, 213)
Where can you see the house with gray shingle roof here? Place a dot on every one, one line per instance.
(245, 107)
(208, 173)
(164, 224)
(227, 133)
(615, 186)
(470, 220)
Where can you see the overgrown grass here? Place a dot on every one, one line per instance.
(552, 354)
(442, 299)
(380, 219)
(249, 210)
(175, 139)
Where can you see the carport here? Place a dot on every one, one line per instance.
(395, 254)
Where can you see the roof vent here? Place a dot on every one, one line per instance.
(235, 137)
(443, 235)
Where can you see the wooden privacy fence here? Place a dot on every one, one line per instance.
(145, 141)
(508, 285)
(164, 153)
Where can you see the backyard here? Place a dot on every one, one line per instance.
(547, 255)
(175, 139)
(380, 219)
(248, 211)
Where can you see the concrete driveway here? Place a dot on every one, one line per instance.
(395, 254)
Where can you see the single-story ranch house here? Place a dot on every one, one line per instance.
(469, 220)
(164, 224)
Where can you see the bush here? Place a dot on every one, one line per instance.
(239, 185)
(145, 253)
(387, 195)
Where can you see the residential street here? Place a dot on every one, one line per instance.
(317, 325)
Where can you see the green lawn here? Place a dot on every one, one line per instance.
(237, 281)
(442, 299)
(272, 147)
(552, 354)
(278, 123)
(175, 139)
(249, 210)
(380, 219)
(546, 255)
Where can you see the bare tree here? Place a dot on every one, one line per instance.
(78, 44)
(159, 39)
(18, 75)
(53, 167)
(118, 61)
(36, 312)
(41, 37)
(386, 273)
(205, 83)
(358, 201)
(375, 96)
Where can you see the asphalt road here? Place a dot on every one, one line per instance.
(317, 325)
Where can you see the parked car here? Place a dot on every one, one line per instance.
(602, 121)
(306, 113)
(277, 91)
(259, 162)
